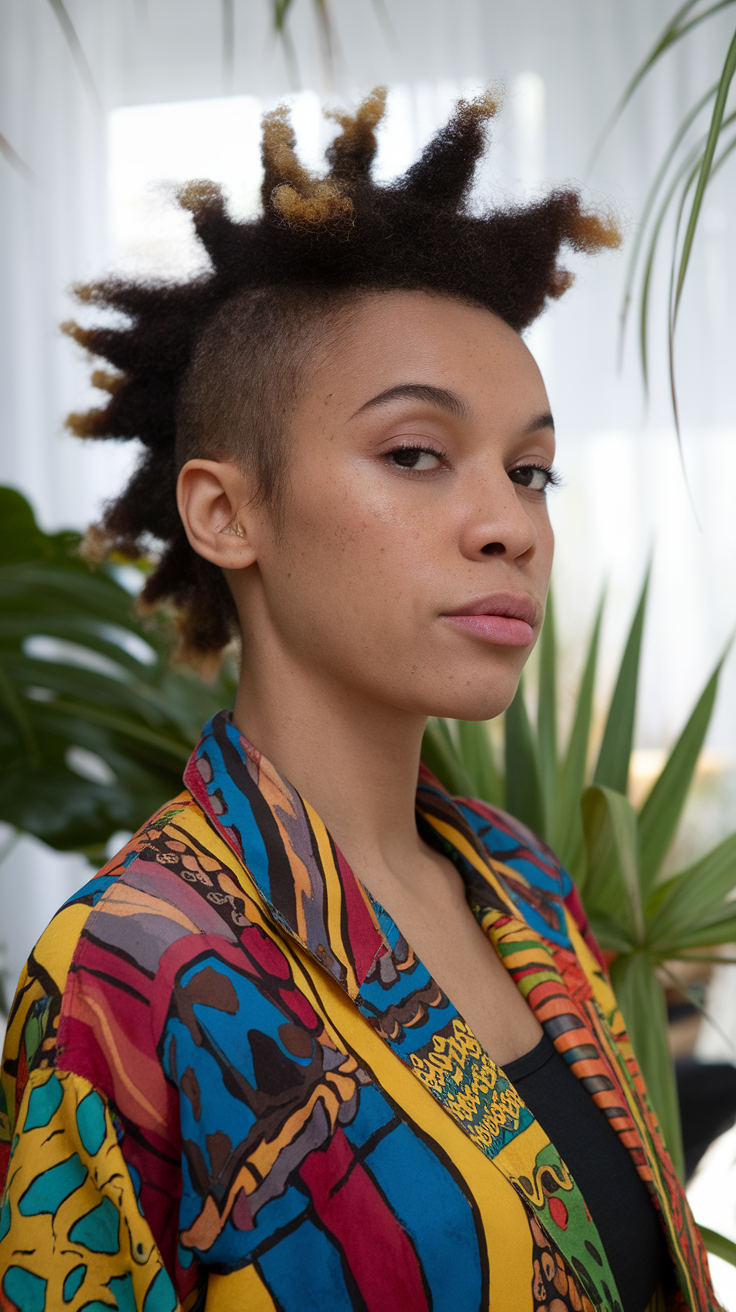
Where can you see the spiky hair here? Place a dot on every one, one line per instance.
(318, 241)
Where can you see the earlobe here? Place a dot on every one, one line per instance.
(213, 498)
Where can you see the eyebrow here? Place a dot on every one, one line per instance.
(440, 397)
(443, 399)
(540, 421)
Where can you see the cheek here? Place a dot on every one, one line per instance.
(547, 545)
(354, 534)
(346, 556)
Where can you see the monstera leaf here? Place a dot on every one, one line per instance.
(95, 724)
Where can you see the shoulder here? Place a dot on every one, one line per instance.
(109, 937)
(510, 842)
(148, 880)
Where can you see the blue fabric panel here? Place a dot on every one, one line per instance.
(429, 1204)
(305, 1271)
(374, 1112)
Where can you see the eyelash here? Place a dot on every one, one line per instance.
(553, 478)
(410, 449)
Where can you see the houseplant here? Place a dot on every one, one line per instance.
(644, 920)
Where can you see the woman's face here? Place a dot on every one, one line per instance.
(413, 558)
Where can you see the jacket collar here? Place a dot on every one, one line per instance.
(301, 874)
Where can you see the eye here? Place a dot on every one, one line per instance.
(537, 478)
(417, 458)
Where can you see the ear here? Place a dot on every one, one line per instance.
(214, 497)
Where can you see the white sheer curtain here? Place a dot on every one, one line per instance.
(66, 108)
(63, 108)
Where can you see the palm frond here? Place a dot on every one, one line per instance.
(648, 209)
(612, 767)
(676, 286)
(673, 31)
(718, 1244)
(719, 109)
(692, 176)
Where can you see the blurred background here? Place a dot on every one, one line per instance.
(106, 107)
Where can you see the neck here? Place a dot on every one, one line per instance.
(354, 760)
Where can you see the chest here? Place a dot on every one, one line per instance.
(445, 936)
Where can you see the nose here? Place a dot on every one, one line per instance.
(497, 521)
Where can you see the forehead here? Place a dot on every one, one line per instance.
(388, 340)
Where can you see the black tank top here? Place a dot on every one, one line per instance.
(616, 1196)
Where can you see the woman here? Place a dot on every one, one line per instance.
(316, 1038)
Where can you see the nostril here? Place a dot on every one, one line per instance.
(493, 549)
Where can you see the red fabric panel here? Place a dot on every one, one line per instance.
(365, 940)
(379, 1254)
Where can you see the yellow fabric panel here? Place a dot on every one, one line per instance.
(602, 991)
(57, 944)
(486, 868)
(71, 1217)
(501, 1212)
(28, 992)
(54, 952)
(333, 897)
(241, 1291)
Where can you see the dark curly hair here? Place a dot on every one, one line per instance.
(227, 352)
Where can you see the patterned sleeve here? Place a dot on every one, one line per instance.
(71, 1230)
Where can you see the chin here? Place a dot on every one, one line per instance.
(484, 701)
(474, 690)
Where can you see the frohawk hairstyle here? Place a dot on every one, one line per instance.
(212, 366)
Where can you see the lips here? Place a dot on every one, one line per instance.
(504, 618)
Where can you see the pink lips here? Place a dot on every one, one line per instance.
(504, 618)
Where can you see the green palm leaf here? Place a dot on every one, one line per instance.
(688, 169)
(673, 31)
(690, 906)
(441, 757)
(661, 812)
(648, 209)
(719, 109)
(547, 715)
(84, 679)
(611, 887)
(523, 786)
(612, 769)
(477, 757)
(567, 830)
(642, 1002)
(718, 1244)
(683, 22)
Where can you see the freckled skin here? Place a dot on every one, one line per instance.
(343, 606)
(371, 556)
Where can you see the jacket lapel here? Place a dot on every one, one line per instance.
(313, 895)
(573, 1001)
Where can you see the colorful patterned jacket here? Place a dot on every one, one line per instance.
(230, 1084)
